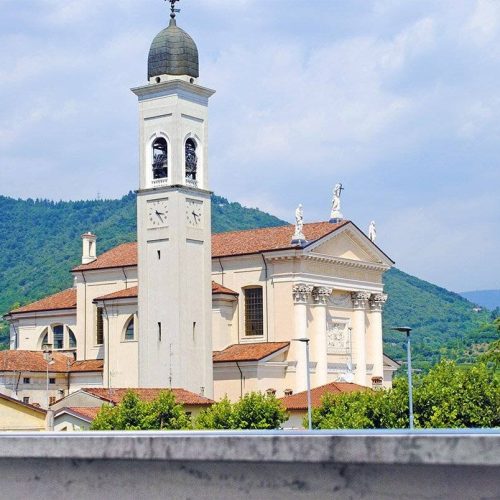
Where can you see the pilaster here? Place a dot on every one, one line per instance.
(360, 302)
(375, 340)
(319, 348)
(301, 293)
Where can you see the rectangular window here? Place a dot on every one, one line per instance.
(52, 400)
(58, 336)
(254, 312)
(52, 380)
(26, 380)
(99, 327)
(26, 400)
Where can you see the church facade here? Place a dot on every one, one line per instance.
(214, 314)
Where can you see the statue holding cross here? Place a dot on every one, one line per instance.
(336, 214)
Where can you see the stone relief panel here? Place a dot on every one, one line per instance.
(340, 299)
(337, 335)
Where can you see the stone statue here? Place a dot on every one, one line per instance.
(298, 236)
(336, 214)
(299, 219)
(372, 231)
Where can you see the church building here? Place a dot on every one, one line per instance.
(214, 315)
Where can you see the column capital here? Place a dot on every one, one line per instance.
(360, 299)
(301, 292)
(377, 301)
(321, 294)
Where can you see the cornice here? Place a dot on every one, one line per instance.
(186, 90)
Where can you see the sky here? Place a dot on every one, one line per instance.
(398, 100)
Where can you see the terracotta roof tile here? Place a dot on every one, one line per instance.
(181, 395)
(216, 288)
(299, 401)
(88, 365)
(62, 300)
(126, 293)
(266, 239)
(87, 414)
(123, 255)
(223, 244)
(133, 292)
(34, 361)
(248, 352)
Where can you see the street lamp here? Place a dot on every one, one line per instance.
(407, 330)
(47, 355)
(309, 414)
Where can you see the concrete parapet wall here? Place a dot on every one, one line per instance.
(250, 465)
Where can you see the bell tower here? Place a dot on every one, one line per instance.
(174, 219)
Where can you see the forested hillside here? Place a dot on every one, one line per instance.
(41, 242)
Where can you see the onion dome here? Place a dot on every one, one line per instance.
(173, 52)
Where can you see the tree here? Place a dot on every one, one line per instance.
(254, 411)
(449, 396)
(163, 413)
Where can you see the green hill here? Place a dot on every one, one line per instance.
(41, 242)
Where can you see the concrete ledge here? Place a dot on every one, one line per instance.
(376, 447)
(250, 465)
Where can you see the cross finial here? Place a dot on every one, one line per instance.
(173, 10)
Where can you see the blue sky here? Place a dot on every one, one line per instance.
(399, 100)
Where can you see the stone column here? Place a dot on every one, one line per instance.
(359, 301)
(301, 293)
(319, 342)
(375, 341)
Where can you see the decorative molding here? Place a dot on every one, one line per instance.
(360, 299)
(321, 294)
(301, 292)
(377, 301)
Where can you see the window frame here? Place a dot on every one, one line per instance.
(247, 313)
(131, 319)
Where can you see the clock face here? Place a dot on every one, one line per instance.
(194, 213)
(157, 213)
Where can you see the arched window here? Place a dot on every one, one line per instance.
(130, 329)
(58, 332)
(45, 338)
(191, 160)
(254, 311)
(160, 158)
(71, 339)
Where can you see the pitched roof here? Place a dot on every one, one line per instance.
(61, 300)
(299, 401)
(224, 244)
(133, 292)
(123, 255)
(248, 352)
(34, 361)
(126, 293)
(216, 288)
(87, 414)
(26, 405)
(181, 395)
(87, 365)
(267, 239)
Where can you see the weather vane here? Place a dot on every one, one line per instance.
(173, 10)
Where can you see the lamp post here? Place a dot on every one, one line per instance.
(47, 355)
(309, 411)
(407, 330)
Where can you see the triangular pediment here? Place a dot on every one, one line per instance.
(349, 243)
